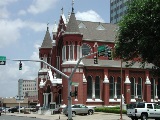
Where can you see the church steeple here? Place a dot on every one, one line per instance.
(72, 6)
(72, 26)
(47, 42)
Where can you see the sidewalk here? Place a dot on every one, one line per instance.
(95, 116)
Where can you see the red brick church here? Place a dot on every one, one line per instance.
(98, 84)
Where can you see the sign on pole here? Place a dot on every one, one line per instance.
(75, 83)
(2, 60)
(101, 48)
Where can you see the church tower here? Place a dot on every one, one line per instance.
(71, 52)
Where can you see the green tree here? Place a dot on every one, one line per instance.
(138, 35)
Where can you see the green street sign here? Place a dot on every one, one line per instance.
(2, 60)
(101, 48)
(75, 83)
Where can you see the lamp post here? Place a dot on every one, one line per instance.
(121, 93)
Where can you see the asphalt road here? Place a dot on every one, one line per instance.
(9, 117)
(95, 116)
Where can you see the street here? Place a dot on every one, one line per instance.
(95, 116)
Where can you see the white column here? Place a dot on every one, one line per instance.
(44, 97)
(69, 57)
(156, 91)
(93, 90)
(136, 90)
(78, 52)
(47, 99)
(115, 93)
(65, 52)
(73, 52)
(51, 96)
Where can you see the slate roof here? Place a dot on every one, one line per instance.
(72, 26)
(91, 33)
(47, 42)
(112, 63)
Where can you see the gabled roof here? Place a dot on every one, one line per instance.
(92, 31)
(47, 42)
(72, 27)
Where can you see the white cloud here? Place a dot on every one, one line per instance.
(6, 2)
(40, 6)
(4, 13)
(89, 16)
(22, 12)
(13, 29)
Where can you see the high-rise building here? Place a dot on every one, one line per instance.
(27, 88)
(117, 9)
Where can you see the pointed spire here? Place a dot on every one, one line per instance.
(106, 79)
(147, 81)
(127, 80)
(55, 27)
(47, 26)
(47, 42)
(72, 6)
(62, 10)
(72, 26)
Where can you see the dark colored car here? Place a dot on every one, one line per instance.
(0, 111)
(12, 110)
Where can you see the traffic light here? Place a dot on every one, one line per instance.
(109, 55)
(76, 93)
(95, 60)
(20, 66)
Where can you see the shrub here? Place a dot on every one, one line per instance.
(115, 110)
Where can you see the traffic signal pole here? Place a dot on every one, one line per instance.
(69, 78)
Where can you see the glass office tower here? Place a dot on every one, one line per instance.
(117, 9)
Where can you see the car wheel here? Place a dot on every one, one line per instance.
(144, 117)
(73, 113)
(90, 112)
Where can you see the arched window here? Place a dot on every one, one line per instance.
(133, 88)
(97, 87)
(111, 87)
(118, 87)
(89, 87)
(86, 49)
(139, 88)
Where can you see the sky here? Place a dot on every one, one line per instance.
(23, 24)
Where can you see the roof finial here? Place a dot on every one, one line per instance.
(72, 6)
(62, 10)
(47, 26)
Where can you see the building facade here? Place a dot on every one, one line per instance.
(118, 9)
(102, 83)
(28, 89)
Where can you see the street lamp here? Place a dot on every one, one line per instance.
(121, 93)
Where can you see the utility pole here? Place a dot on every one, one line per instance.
(69, 78)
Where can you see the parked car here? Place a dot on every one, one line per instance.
(143, 111)
(0, 111)
(78, 109)
(13, 109)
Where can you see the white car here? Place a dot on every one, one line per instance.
(79, 109)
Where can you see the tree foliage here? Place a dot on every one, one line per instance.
(138, 35)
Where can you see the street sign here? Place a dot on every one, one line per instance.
(101, 48)
(2, 60)
(75, 83)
